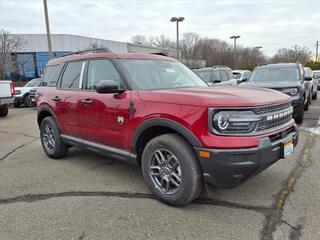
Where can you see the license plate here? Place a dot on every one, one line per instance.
(288, 148)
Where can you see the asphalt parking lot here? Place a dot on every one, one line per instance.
(86, 196)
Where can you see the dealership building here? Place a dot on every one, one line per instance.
(33, 57)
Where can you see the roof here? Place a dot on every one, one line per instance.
(276, 65)
(74, 57)
(211, 68)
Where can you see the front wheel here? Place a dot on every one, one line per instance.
(51, 140)
(300, 115)
(171, 170)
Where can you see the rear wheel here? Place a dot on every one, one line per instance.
(4, 110)
(51, 140)
(171, 170)
(306, 105)
(315, 96)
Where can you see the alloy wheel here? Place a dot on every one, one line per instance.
(165, 171)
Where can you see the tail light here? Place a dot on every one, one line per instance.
(12, 89)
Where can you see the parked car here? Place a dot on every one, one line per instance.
(288, 78)
(316, 74)
(313, 82)
(241, 75)
(154, 112)
(6, 96)
(22, 94)
(32, 96)
(220, 75)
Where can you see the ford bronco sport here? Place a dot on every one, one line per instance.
(154, 112)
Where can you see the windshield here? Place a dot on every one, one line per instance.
(236, 75)
(275, 74)
(33, 83)
(159, 74)
(316, 75)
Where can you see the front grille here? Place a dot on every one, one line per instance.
(266, 125)
(271, 109)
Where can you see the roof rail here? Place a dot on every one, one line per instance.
(94, 50)
(220, 66)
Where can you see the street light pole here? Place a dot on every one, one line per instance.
(177, 20)
(48, 28)
(317, 45)
(234, 37)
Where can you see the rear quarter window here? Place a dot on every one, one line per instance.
(51, 75)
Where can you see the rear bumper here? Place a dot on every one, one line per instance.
(226, 168)
(6, 101)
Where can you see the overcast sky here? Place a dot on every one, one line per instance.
(271, 24)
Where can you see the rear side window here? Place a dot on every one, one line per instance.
(101, 70)
(204, 75)
(224, 76)
(71, 75)
(216, 76)
(51, 75)
(229, 74)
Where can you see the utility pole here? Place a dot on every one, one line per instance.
(48, 28)
(317, 46)
(177, 20)
(234, 37)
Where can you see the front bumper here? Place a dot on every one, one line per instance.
(226, 168)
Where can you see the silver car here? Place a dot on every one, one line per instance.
(316, 75)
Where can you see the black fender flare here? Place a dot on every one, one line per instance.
(163, 122)
(45, 108)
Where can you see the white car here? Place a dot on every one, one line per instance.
(316, 75)
(241, 75)
(22, 94)
(217, 75)
(6, 96)
(313, 82)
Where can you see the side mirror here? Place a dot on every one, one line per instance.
(244, 79)
(307, 78)
(108, 86)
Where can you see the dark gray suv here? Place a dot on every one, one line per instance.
(289, 78)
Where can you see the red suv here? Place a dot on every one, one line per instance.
(154, 112)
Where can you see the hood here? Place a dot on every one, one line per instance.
(273, 84)
(216, 97)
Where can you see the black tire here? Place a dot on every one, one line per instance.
(306, 105)
(191, 183)
(4, 111)
(300, 115)
(59, 148)
(315, 96)
(27, 101)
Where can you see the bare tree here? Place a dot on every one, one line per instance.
(141, 40)
(190, 48)
(164, 42)
(294, 54)
(9, 44)
(94, 45)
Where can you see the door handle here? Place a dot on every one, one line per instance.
(56, 99)
(86, 101)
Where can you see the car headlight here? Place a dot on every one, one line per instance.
(17, 92)
(290, 91)
(228, 122)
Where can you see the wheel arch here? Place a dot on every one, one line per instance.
(45, 111)
(155, 127)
